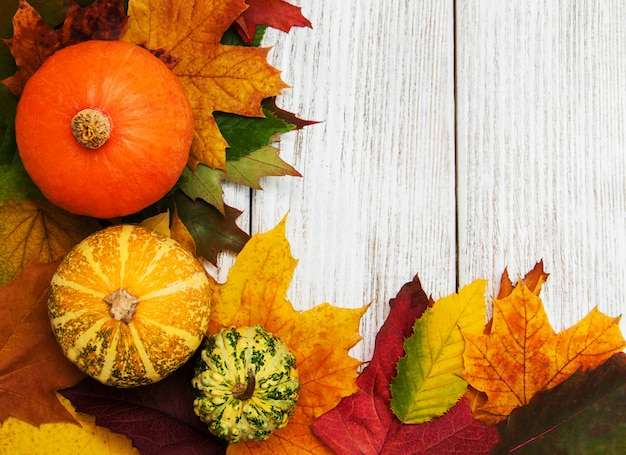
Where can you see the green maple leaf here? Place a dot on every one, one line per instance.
(264, 162)
(249, 158)
(205, 184)
(428, 382)
(247, 134)
(585, 414)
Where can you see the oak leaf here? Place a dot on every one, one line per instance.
(255, 293)
(363, 423)
(34, 41)
(428, 382)
(277, 14)
(18, 437)
(215, 77)
(522, 355)
(37, 229)
(32, 364)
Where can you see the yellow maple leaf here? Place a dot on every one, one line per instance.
(215, 77)
(255, 293)
(18, 437)
(522, 355)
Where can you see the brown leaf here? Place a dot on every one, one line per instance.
(36, 229)
(32, 365)
(33, 41)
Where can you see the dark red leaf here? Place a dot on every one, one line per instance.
(285, 116)
(277, 14)
(158, 418)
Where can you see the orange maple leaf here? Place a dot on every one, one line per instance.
(32, 365)
(255, 293)
(521, 354)
(215, 77)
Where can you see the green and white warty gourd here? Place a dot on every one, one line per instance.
(246, 384)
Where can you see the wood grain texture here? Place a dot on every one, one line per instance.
(376, 203)
(510, 113)
(541, 111)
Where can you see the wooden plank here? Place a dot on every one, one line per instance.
(541, 99)
(376, 203)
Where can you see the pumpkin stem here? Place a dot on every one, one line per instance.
(123, 305)
(245, 391)
(91, 128)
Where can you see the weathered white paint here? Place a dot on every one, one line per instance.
(541, 128)
(511, 113)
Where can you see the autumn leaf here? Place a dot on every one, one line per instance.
(249, 157)
(251, 168)
(36, 229)
(428, 382)
(34, 41)
(215, 77)
(255, 293)
(159, 223)
(277, 14)
(584, 414)
(205, 183)
(62, 438)
(211, 231)
(171, 226)
(32, 364)
(522, 354)
(15, 184)
(248, 134)
(363, 423)
(158, 418)
(533, 280)
(181, 234)
(269, 104)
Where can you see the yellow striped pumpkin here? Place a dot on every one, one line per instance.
(129, 305)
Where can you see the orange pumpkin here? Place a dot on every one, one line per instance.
(104, 128)
(129, 305)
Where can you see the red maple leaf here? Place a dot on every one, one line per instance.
(277, 14)
(363, 423)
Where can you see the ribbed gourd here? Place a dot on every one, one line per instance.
(246, 384)
(129, 305)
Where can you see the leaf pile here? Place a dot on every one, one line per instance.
(455, 385)
(364, 422)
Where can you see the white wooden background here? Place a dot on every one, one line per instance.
(458, 138)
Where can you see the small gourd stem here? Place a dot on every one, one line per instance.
(91, 128)
(245, 391)
(122, 305)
